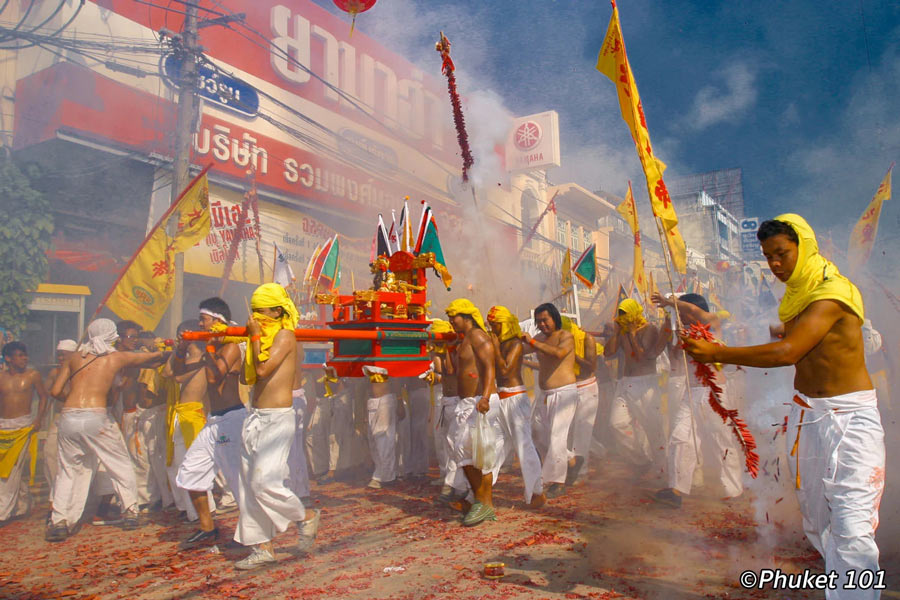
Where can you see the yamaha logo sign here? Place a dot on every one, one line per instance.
(533, 142)
(527, 135)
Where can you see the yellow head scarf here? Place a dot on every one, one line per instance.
(633, 318)
(509, 324)
(461, 306)
(269, 295)
(814, 277)
(440, 326)
(579, 335)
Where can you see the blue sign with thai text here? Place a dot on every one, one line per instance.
(229, 92)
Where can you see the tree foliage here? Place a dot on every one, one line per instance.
(26, 225)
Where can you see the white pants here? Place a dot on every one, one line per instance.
(138, 456)
(150, 435)
(554, 412)
(635, 418)
(217, 448)
(444, 416)
(267, 506)
(87, 437)
(716, 446)
(383, 436)
(582, 429)
(515, 418)
(413, 430)
(340, 433)
(840, 455)
(51, 456)
(182, 498)
(14, 496)
(297, 469)
(466, 415)
(316, 434)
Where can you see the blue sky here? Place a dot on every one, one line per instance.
(799, 94)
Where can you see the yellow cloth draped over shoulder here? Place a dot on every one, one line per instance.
(579, 335)
(509, 324)
(12, 443)
(633, 318)
(269, 295)
(462, 306)
(814, 277)
(191, 417)
(440, 326)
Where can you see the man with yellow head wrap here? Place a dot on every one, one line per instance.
(835, 439)
(515, 405)
(554, 411)
(478, 396)
(635, 417)
(582, 431)
(217, 447)
(267, 505)
(444, 414)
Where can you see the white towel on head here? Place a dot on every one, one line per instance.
(102, 335)
(67, 345)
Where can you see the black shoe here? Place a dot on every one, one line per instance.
(57, 533)
(130, 521)
(325, 479)
(667, 497)
(556, 490)
(200, 536)
(455, 495)
(572, 472)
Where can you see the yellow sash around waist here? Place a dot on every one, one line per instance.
(12, 443)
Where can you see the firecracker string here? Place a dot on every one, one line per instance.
(448, 68)
(707, 377)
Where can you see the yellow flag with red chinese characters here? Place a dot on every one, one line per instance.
(862, 238)
(628, 210)
(145, 289)
(613, 62)
(566, 272)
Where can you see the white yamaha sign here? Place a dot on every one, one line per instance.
(533, 142)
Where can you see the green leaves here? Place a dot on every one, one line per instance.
(26, 226)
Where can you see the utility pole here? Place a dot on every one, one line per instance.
(184, 131)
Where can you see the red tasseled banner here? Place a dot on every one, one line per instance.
(706, 376)
(448, 68)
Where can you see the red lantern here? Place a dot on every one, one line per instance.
(354, 7)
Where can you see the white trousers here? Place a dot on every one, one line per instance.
(87, 438)
(151, 437)
(297, 469)
(413, 433)
(139, 458)
(554, 412)
(466, 415)
(716, 446)
(582, 429)
(840, 456)
(383, 436)
(14, 496)
(267, 506)
(515, 419)
(51, 456)
(444, 416)
(635, 419)
(340, 434)
(317, 432)
(182, 498)
(217, 448)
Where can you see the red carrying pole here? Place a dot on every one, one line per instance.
(325, 335)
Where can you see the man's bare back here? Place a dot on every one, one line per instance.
(90, 377)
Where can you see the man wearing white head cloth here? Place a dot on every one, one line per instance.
(87, 436)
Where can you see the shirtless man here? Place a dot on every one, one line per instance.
(383, 411)
(444, 412)
(555, 349)
(477, 386)
(636, 405)
(835, 438)
(18, 384)
(64, 349)
(218, 445)
(87, 435)
(588, 400)
(148, 443)
(515, 405)
(267, 505)
(696, 431)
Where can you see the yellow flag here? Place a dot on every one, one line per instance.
(628, 210)
(147, 286)
(613, 62)
(863, 236)
(566, 272)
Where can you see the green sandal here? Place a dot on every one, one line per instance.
(478, 513)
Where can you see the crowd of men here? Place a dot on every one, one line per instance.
(236, 422)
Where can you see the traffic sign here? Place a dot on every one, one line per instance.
(229, 92)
